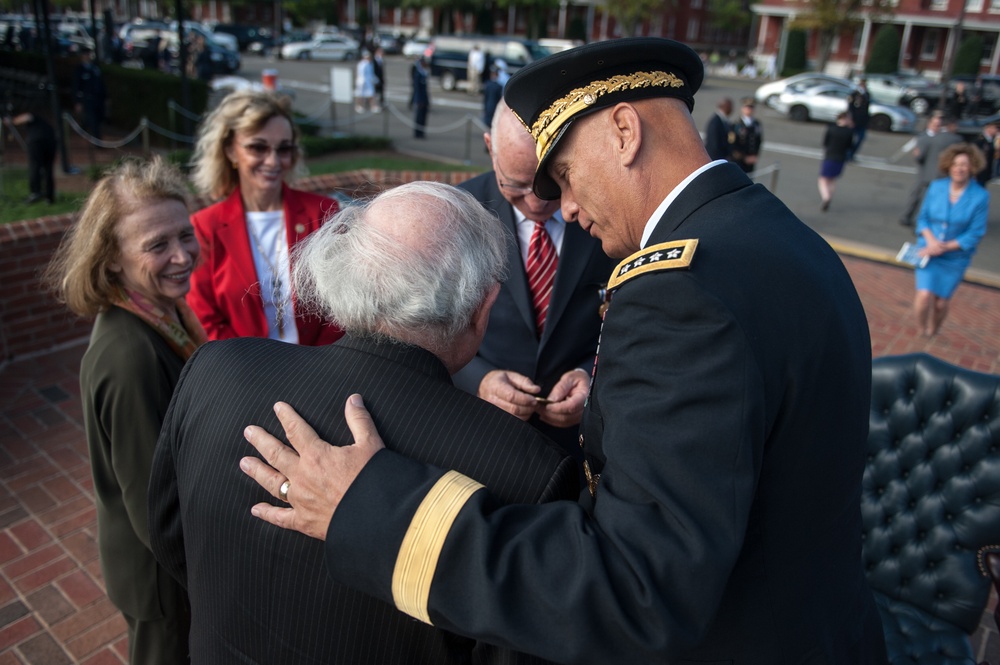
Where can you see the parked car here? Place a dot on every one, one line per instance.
(889, 88)
(224, 61)
(326, 47)
(970, 128)
(416, 46)
(450, 55)
(227, 42)
(137, 37)
(557, 45)
(245, 34)
(390, 42)
(825, 102)
(770, 92)
(922, 100)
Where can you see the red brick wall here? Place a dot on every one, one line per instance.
(32, 322)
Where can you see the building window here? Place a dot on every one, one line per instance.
(939, 5)
(995, 6)
(974, 6)
(989, 43)
(835, 44)
(692, 30)
(929, 47)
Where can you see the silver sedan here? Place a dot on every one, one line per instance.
(825, 102)
(327, 47)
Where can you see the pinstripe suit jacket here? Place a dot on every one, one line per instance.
(260, 594)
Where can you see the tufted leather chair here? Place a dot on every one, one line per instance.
(930, 503)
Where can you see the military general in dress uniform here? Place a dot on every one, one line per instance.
(724, 432)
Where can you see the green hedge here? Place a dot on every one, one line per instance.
(133, 93)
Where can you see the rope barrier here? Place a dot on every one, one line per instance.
(171, 104)
(169, 134)
(71, 122)
(458, 124)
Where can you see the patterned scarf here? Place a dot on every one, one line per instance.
(183, 339)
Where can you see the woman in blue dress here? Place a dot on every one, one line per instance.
(952, 221)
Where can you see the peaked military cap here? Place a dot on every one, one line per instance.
(549, 94)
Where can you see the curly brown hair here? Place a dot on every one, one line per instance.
(976, 158)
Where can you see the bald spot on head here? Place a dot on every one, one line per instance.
(511, 139)
(515, 161)
(410, 221)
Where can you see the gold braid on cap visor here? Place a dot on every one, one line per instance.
(563, 109)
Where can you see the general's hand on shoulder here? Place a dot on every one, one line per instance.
(317, 474)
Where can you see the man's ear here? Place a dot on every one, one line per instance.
(628, 132)
(481, 317)
(489, 143)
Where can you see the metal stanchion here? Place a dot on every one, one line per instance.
(144, 123)
(469, 124)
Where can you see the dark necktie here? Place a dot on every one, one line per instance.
(541, 269)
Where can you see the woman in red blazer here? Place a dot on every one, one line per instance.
(242, 287)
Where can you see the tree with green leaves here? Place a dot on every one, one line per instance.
(729, 15)
(538, 12)
(795, 53)
(830, 18)
(630, 13)
(885, 52)
(970, 52)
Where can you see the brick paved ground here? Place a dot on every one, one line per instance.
(52, 606)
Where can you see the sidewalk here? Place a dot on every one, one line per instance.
(52, 605)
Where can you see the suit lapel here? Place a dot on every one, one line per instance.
(517, 280)
(576, 252)
(232, 234)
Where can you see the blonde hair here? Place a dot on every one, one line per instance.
(244, 111)
(78, 274)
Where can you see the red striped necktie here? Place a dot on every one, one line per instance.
(541, 269)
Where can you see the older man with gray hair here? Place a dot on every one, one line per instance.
(411, 277)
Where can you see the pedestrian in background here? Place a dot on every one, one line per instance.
(378, 65)
(420, 99)
(492, 94)
(717, 131)
(475, 67)
(40, 140)
(89, 93)
(952, 221)
(940, 134)
(858, 103)
(837, 143)
(987, 144)
(364, 84)
(747, 136)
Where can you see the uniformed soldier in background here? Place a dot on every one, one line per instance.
(747, 137)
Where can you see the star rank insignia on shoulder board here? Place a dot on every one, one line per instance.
(665, 256)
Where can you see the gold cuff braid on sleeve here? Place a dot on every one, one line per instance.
(421, 547)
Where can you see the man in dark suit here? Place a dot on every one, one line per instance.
(717, 132)
(725, 431)
(89, 93)
(411, 277)
(857, 105)
(515, 365)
